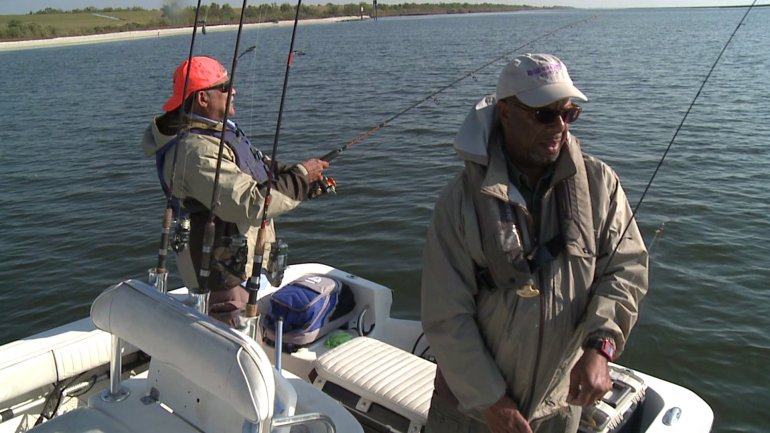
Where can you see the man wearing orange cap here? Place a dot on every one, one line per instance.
(190, 130)
(533, 267)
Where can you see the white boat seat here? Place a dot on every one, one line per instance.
(379, 375)
(208, 374)
(202, 376)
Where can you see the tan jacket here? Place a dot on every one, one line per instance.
(487, 339)
(241, 197)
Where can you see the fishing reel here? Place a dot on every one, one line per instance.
(277, 262)
(181, 236)
(326, 185)
(239, 251)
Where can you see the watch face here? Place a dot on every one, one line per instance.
(608, 349)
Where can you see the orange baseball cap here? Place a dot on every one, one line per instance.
(205, 72)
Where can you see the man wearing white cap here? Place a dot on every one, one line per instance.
(533, 267)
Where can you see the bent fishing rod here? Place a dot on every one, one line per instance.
(252, 286)
(161, 272)
(336, 152)
(673, 138)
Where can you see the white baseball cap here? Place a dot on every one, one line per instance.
(537, 80)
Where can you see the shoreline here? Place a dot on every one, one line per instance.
(157, 33)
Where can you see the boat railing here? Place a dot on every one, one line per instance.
(305, 418)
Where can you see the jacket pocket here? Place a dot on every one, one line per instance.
(579, 250)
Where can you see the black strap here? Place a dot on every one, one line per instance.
(546, 252)
(543, 254)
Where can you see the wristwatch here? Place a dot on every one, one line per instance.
(605, 346)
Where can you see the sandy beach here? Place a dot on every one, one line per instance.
(145, 34)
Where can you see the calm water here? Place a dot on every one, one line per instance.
(80, 205)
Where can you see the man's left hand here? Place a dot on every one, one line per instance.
(589, 379)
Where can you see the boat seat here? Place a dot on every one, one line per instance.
(377, 380)
(202, 376)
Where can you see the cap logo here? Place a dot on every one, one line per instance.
(551, 68)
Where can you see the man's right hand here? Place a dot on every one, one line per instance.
(315, 168)
(504, 417)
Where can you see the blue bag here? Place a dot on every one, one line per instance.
(310, 307)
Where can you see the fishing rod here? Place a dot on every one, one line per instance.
(673, 138)
(336, 152)
(209, 232)
(252, 286)
(159, 275)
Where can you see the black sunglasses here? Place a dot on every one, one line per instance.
(545, 116)
(224, 87)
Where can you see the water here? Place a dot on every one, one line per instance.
(81, 207)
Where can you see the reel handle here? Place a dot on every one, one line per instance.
(326, 185)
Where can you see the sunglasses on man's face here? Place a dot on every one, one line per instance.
(546, 116)
(224, 87)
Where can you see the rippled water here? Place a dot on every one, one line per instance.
(80, 205)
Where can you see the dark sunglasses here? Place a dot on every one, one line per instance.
(224, 87)
(546, 116)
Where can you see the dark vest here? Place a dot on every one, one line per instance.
(247, 157)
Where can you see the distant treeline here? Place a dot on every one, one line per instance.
(89, 9)
(50, 22)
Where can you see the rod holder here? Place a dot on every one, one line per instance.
(158, 279)
(200, 302)
(278, 343)
(248, 325)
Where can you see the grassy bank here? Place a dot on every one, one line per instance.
(52, 23)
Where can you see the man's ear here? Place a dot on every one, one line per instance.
(202, 99)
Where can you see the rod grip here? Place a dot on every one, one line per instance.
(164, 239)
(331, 155)
(208, 245)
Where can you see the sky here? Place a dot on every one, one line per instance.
(11, 7)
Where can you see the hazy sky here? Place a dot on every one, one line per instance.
(8, 7)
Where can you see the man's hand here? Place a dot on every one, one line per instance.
(315, 168)
(589, 379)
(504, 417)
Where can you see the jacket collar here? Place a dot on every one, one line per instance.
(478, 142)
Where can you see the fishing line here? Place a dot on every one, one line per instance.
(658, 234)
(252, 71)
(336, 152)
(673, 138)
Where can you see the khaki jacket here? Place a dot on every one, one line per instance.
(241, 196)
(488, 340)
